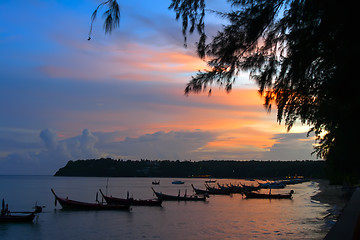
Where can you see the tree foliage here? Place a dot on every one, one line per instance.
(111, 16)
(217, 169)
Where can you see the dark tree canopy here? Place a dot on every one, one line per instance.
(180, 169)
(302, 55)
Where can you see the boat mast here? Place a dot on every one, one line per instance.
(107, 183)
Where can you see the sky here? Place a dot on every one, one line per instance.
(122, 95)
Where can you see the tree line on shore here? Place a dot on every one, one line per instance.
(107, 167)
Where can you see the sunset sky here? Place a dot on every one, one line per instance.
(121, 95)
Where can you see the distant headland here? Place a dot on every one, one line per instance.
(107, 167)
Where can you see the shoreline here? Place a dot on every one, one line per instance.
(344, 209)
(332, 195)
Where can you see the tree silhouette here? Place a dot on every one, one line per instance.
(112, 16)
(302, 54)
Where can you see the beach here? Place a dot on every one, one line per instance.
(345, 210)
(330, 194)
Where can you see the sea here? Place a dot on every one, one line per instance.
(220, 217)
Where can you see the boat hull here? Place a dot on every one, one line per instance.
(178, 182)
(166, 197)
(267, 196)
(211, 191)
(131, 201)
(17, 218)
(77, 205)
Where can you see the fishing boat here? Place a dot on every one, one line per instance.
(217, 191)
(250, 188)
(210, 181)
(178, 182)
(294, 181)
(199, 191)
(269, 195)
(7, 216)
(273, 185)
(231, 188)
(130, 201)
(185, 197)
(210, 190)
(77, 205)
(17, 217)
(155, 182)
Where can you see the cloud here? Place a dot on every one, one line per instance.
(87, 143)
(79, 147)
(50, 138)
(165, 145)
(56, 152)
(291, 146)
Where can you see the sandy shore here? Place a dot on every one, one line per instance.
(330, 194)
(348, 225)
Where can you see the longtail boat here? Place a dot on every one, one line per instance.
(166, 197)
(250, 188)
(230, 188)
(217, 191)
(19, 217)
(273, 185)
(131, 201)
(199, 191)
(177, 182)
(235, 188)
(210, 181)
(211, 191)
(156, 182)
(76, 205)
(269, 195)
(7, 216)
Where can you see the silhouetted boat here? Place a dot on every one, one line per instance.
(155, 182)
(273, 185)
(166, 197)
(210, 190)
(130, 201)
(7, 216)
(178, 182)
(76, 205)
(217, 191)
(269, 195)
(231, 188)
(210, 181)
(295, 180)
(19, 217)
(199, 191)
(249, 188)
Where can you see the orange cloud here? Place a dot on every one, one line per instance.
(239, 119)
(131, 62)
(143, 63)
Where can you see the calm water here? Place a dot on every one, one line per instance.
(221, 217)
